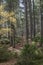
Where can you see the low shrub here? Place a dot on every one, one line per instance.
(14, 54)
(4, 54)
(30, 55)
(5, 41)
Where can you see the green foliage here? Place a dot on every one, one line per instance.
(17, 40)
(41, 40)
(37, 38)
(4, 53)
(5, 41)
(30, 55)
(14, 54)
(12, 3)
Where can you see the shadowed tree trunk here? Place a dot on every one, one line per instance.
(34, 31)
(26, 16)
(41, 9)
(31, 25)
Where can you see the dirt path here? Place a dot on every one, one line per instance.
(10, 62)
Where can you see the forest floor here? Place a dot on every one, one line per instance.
(12, 61)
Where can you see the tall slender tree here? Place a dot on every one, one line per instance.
(41, 9)
(34, 18)
(26, 17)
(31, 25)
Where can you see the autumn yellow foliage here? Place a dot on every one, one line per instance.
(6, 16)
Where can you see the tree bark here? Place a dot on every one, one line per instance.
(31, 25)
(26, 16)
(34, 29)
(41, 9)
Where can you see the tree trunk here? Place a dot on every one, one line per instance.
(41, 9)
(26, 16)
(34, 30)
(31, 25)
